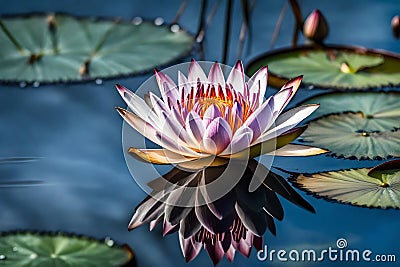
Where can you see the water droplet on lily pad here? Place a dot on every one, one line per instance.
(99, 81)
(109, 242)
(36, 84)
(159, 21)
(137, 20)
(175, 28)
(3, 257)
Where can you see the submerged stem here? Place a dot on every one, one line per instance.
(227, 30)
(298, 20)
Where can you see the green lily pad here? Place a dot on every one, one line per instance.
(354, 187)
(61, 48)
(348, 135)
(380, 110)
(333, 67)
(57, 249)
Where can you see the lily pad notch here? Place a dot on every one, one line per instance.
(51, 48)
(331, 67)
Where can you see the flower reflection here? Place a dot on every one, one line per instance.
(234, 222)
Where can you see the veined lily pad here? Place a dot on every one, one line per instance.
(354, 187)
(333, 67)
(348, 135)
(55, 48)
(380, 110)
(56, 249)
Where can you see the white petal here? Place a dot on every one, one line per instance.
(158, 105)
(211, 113)
(281, 99)
(216, 75)
(137, 104)
(294, 84)
(287, 121)
(195, 126)
(262, 118)
(294, 150)
(139, 125)
(240, 141)
(167, 86)
(174, 146)
(196, 73)
(236, 77)
(158, 156)
(258, 83)
(217, 136)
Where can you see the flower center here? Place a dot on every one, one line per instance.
(207, 95)
(221, 104)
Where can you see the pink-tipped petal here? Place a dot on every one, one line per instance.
(196, 73)
(190, 249)
(281, 99)
(169, 228)
(243, 248)
(215, 251)
(217, 136)
(230, 254)
(137, 104)
(211, 113)
(258, 83)
(236, 77)
(216, 75)
(167, 86)
(294, 84)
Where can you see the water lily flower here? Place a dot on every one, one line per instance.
(235, 222)
(316, 27)
(209, 120)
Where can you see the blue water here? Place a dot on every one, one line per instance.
(76, 132)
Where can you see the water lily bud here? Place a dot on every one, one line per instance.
(316, 27)
(396, 26)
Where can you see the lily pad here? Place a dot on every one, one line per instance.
(354, 187)
(348, 135)
(332, 67)
(380, 110)
(57, 249)
(61, 48)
